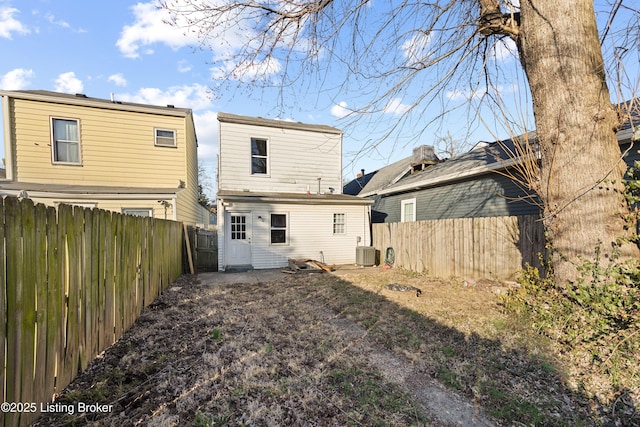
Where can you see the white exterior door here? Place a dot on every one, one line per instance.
(238, 232)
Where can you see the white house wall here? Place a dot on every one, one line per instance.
(310, 233)
(296, 159)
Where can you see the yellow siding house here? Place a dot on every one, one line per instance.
(131, 158)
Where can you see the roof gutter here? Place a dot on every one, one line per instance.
(292, 200)
(86, 196)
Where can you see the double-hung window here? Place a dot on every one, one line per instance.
(278, 229)
(339, 223)
(165, 137)
(259, 156)
(408, 210)
(65, 141)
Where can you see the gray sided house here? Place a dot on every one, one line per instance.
(484, 182)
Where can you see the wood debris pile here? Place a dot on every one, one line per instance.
(307, 266)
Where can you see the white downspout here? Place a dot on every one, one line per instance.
(8, 143)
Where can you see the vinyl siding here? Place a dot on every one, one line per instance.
(296, 159)
(488, 196)
(188, 208)
(116, 147)
(310, 233)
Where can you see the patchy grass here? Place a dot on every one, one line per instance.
(327, 349)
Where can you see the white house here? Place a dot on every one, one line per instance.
(280, 195)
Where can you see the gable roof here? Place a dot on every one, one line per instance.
(386, 176)
(279, 124)
(355, 186)
(83, 100)
(395, 178)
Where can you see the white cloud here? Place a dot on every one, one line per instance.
(60, 23)
(69, 83)
(196, 96)
(9, 25)
(64, 24)
(208, 132)
(184, 25)
(184, 66)
(117, 79)
(151, 27)
(16, 79)
(248, 71)
(395, 106)
(416, 49)
(340, 110)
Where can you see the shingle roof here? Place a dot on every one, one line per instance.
(280, 124)
(355, 186)
(480, 160)
(387, 176)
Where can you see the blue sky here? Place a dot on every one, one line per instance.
(125, 47)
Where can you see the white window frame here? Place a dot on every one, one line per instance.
(342, 224)
(54, 142)
(257, 156)
(157, 138)
(285, 228)
(149, 211)
(403, 209)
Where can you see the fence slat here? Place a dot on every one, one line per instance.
(109, 285)
(3, 305)
(103, 244)
(86, 292)
(13, 223)
(55, 303)
(42, 304)
(94, 280)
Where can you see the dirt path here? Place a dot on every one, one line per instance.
(263, 352)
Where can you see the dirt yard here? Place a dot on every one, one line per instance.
(315, 349)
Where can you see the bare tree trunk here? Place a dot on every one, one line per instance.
(581, 167)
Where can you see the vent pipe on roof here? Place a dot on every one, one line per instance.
(112, 99)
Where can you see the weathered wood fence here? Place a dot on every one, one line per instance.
(204, 249)
(496, 247)
(72, 280)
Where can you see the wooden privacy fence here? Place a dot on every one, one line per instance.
(494, 247)
(72, 280)
(203, 245)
